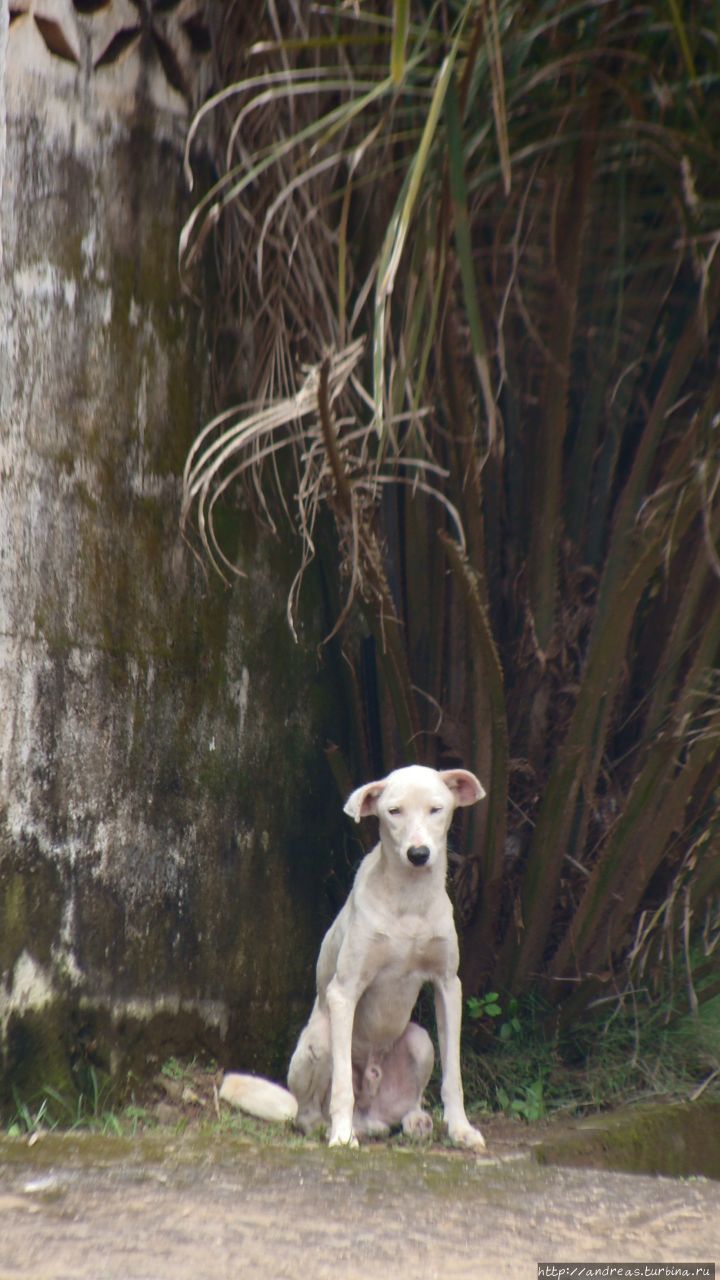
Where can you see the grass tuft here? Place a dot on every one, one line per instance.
(639, 1051)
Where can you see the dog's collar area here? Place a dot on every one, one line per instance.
(418, 855)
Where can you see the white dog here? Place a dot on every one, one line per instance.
(360, 1063)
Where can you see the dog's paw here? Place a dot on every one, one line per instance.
(418, 1125)
(342, 1135)
(463, 1135)
(312, 1125)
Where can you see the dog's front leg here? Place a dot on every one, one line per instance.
(448, 1011)
(341, 1007)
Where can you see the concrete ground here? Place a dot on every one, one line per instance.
(219, 1207)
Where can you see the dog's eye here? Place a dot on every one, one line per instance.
(395, 810)
(436, 808)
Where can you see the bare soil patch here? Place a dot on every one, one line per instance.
(215, 1202)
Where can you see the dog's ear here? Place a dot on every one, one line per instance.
(466, 788)
(363, 802)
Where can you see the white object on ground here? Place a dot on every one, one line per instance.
(258, 1097)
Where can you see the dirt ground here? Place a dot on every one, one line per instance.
(212, 1203)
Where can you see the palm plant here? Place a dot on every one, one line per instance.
(470, 253)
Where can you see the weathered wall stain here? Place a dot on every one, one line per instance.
(165, 817)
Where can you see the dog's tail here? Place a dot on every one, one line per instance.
(258, 1097)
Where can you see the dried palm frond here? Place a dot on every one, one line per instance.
(335, 466)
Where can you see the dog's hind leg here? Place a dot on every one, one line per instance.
(310, 1072)
(419, 1057)
(395, 1098)
(367, 1084)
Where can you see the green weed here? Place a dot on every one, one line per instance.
(92, 1109)
(25, 1121)
(174, 1069)
(489, 1006)
(640, 1049)
(531, 1106)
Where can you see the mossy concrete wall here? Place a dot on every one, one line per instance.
(166, 816)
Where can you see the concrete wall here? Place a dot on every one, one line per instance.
(165, 814)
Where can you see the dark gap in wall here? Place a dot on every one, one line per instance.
(121, 43)
(55, 39)
(197, 33)
(170, 64)
(91, 6)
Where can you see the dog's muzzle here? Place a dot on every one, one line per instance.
(418, 854)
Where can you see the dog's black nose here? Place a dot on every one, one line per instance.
(418, 854)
